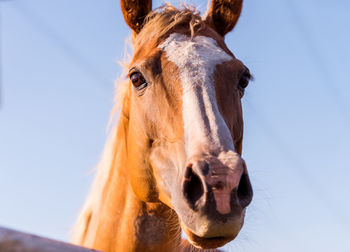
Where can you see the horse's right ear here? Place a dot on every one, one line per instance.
(134, 12)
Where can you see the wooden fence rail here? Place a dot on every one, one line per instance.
(14, 241)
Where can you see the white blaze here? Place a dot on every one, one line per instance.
(196, 59)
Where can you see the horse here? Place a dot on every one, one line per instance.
(173, 162)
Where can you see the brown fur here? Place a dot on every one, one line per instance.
(223, 15)
(128, 209)
(134, 12)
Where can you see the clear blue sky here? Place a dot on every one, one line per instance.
(60, 61)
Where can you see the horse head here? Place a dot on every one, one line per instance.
(185, 130)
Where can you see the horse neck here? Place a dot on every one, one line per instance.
(114, 219)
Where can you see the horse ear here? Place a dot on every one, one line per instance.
(134, 12)
(223, 15)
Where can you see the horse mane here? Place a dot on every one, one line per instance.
(158, 23)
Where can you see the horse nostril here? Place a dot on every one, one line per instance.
(192, 187)
(245, 191)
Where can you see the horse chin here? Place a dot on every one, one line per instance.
(211, 235)
(207, 242)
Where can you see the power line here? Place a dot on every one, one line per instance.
(57, 40)
(329, 80)
(1, 60)
(317, 188)
(338, 100)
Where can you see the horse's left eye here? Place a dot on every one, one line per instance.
(138, 80)
(244, 81)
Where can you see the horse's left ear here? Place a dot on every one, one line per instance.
(223, 15)
(134, 12)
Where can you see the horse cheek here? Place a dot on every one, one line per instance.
(141, 177)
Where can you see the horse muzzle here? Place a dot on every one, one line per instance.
(215, 192)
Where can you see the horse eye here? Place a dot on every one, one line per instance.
(244, 81)
(138, 80)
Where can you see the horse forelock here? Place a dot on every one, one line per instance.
(162, 20)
